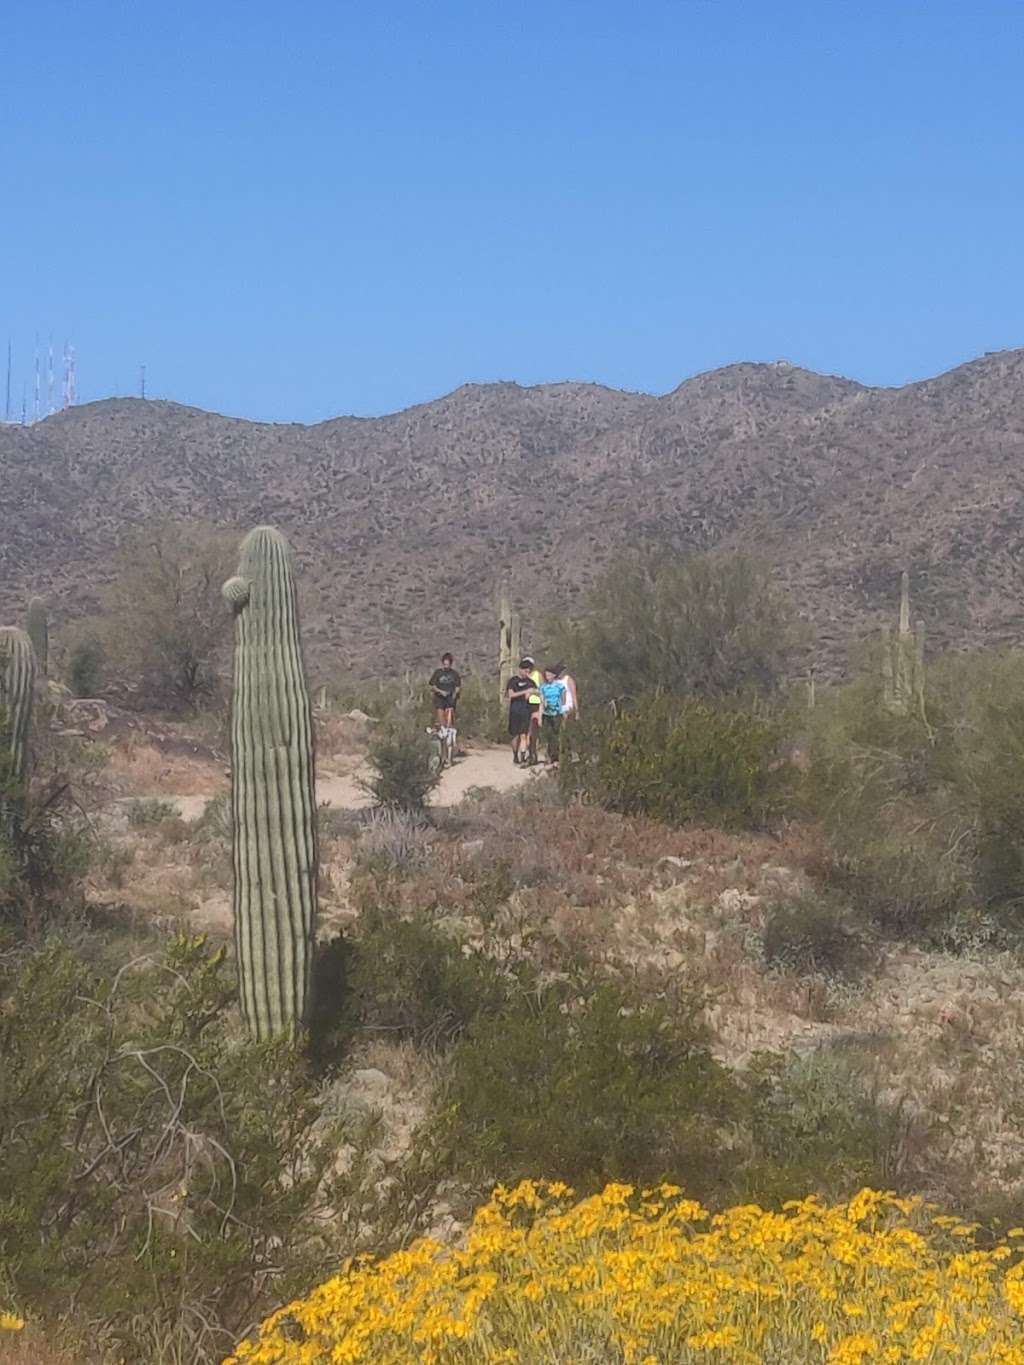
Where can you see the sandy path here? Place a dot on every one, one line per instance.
(489, 766)
(486, 766)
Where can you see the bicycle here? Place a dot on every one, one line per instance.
(442, 744)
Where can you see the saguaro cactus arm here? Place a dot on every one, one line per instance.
(17, 692)
(273, 791)
(37, 626)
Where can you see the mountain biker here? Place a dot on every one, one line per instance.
(553, 697)
(520, 687)
(445, 686)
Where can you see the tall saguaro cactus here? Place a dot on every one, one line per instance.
(17, 690)
(273, 791)
(903, 660)
(37, 625)
(510, 644)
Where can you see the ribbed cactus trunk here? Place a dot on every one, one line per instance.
(273, 792)
(17, 690)
(903, 687)
(510, 644)
(37, 625)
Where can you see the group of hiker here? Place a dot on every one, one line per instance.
(539, 700)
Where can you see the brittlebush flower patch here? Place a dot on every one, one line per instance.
(650, 1277)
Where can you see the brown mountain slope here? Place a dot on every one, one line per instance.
(406, 524)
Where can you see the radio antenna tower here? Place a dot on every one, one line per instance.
(24, 401)
(142, 381)
(35, 410)
(49, 380)
(72, 377)
(7, 403)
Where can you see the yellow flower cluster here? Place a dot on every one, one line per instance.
(10, 1322)
(649, 1277)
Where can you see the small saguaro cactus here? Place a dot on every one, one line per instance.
(273, 791)
(510, 644)
(903, 660)
(37, 625)
(17, 690)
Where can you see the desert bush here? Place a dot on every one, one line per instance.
(403, 772)
(681, 761)
(984, 696)
(409, 979)
(814, 932)
(480, 716)
(85, 666)
(155, 1170)
(708, 625)
(592, 1081)
(148, 812)
(164, 626)
(887, 789)
(215, 823)
(393, 840)
(45, 855)
(822, 1123)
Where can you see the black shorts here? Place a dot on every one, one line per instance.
(519, 718)
(444, 703)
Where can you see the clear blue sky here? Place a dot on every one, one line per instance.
(293, 211)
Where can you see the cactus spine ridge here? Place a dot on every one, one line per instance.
(273, 791)
(17, 692)
(510, 643)
(903, 675)
(37, 626)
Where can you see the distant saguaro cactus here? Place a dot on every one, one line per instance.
(17, 690)
(37, 625)
(510, 644)
(903, 660)
(273, 791)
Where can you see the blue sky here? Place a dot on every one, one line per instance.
(291, 211)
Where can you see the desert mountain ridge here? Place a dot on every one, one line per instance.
(406, 525)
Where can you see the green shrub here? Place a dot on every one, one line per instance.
(150, 811)
(408, 979)
(887, 790)
(709, 625)
(813, 933)
(403, 771)
(588, 1081)
(156, 1171)
(819, 1123)
(85, 667)
(393, 840)
(682, 761)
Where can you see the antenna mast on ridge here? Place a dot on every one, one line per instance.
(49, 380)
(7, 403)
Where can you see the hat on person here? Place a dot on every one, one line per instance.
(527, 662)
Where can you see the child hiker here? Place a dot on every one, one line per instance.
(552, 692)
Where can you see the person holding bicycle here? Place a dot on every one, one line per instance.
(445, 686)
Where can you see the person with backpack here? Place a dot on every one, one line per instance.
(520, 687)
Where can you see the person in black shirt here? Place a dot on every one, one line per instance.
(520, 687)
(445, 686)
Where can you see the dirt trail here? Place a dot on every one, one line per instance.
(488, 766)
(485, 766)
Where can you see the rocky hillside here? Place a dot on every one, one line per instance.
(406, 524)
